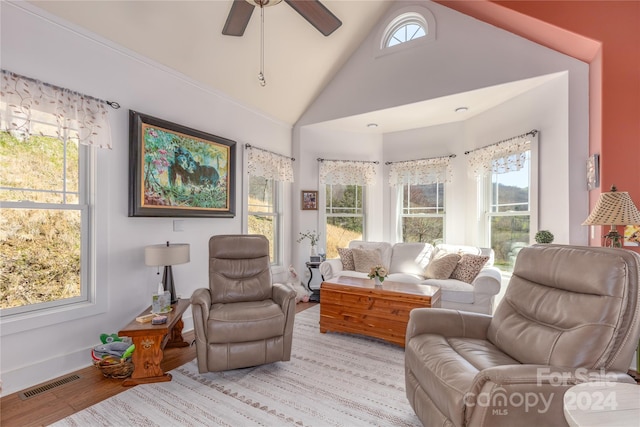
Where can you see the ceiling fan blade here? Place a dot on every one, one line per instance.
(238, 18)
(317, 15)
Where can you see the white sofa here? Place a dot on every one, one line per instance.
(407, 262)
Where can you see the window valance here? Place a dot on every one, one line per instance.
(504, 156)
(420, 172)
(269, 165)
(31, 107)
(347, 172)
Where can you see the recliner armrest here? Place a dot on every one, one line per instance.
(540, 375)
(448, 323)
(282, 295)
(529, 393)
(330, 268)
(200, 306)
(488, 281)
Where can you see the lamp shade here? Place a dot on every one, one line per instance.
(167, 254)
(614, 208)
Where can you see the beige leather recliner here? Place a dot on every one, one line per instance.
(570, 314)
(243, 319)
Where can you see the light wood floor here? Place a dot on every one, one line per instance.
(91, 388)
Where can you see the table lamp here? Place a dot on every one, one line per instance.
(614, 208)
(167, 255)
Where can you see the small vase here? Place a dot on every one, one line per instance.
(377, 281)
(314, 250)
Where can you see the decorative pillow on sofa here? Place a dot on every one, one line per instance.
(364, 259)
(441, 266)
(346, 256)
(469, 267)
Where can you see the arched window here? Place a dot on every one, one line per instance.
(406, 27)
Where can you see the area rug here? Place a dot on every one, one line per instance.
(332, 380)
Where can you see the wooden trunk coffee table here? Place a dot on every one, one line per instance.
(354, 305)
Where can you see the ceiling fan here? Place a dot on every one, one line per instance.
(311, 10)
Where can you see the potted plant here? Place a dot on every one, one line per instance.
(544, 236)
(313, 239)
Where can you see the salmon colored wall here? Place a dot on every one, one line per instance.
(606, 34)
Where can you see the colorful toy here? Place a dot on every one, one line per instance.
(106, 338)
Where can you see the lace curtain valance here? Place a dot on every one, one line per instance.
(269, 165)
(344, 172)
(505, 156)
(420, 172)
(31, 107)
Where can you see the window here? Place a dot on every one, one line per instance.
(263, 213)
(47, 184)
(509, 212)
(422, 215)
(508, 176)
(45, 223)
(344, 216)
(268, 171)
(413, 26)
(407, 27)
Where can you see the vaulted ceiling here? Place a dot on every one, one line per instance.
(186, 36)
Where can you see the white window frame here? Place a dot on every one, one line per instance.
(485, 188)
(93, 257)
(323, 200)
(400, 210)
(277, 216)
(413, 14)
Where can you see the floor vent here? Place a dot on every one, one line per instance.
(28, 394)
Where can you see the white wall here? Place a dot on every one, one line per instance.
(37, 45)
(468, 54)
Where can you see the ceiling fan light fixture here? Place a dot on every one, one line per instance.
(264, 3)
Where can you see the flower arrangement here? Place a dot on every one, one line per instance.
(378, 271)
(311, 235)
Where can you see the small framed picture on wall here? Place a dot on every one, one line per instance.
(309, 200)
(593, 171)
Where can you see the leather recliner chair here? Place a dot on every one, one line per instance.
(243, 319)
(570, 314)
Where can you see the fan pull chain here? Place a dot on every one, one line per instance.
(261, 78)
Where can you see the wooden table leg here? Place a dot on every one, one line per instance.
(146, 361)
(175, 336)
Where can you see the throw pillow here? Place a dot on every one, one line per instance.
(364, 259)
(441, 266)
(469, 267)
(346, 256)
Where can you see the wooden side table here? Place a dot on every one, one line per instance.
(150, 340)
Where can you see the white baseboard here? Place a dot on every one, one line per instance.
(54, 367)
(45, 370)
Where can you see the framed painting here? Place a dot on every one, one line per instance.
(176, 171)
(309, 200)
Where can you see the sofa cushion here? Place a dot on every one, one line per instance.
(452, 290)
(464, 249)
(468, 267)
(411, 258)
(364, 259)
(346, 256)
(441, 266)
(244, 321)
(384, 248)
